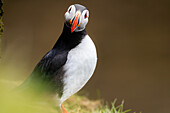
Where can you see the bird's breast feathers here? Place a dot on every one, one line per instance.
(79, 67)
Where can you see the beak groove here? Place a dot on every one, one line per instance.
(75, 22)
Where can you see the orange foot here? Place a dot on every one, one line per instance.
(63, 110)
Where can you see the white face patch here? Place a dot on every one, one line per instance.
(84, 19)
(70, 13)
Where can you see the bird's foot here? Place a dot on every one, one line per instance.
(63, 110)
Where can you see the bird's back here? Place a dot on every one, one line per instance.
(47, 75)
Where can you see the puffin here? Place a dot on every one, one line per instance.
(68, 66)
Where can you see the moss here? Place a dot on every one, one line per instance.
(1, 15)
(1, 23)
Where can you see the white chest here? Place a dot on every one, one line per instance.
(80, 65)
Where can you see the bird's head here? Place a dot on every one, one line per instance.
(76, 17)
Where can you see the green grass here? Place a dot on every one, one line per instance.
(84, 105)
(10, 103)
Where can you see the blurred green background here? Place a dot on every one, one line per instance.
(132, 39)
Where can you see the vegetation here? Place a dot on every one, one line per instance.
(80, 104)
(11, 103)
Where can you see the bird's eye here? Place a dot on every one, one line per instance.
(85, 16)
(69, 10)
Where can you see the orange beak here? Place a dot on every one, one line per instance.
(75, 22)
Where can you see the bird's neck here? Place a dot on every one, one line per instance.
(68, 40)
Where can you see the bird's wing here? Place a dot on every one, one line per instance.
(48, 72)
